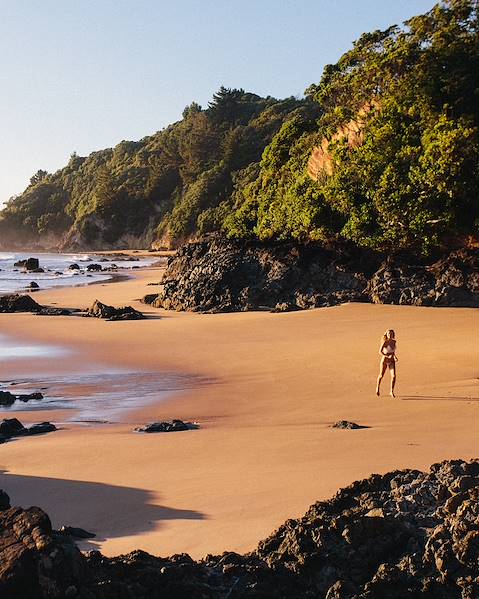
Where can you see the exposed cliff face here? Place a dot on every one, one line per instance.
(221, 276)
(320, 162)
(403, 534)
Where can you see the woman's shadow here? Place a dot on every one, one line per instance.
(108, 511)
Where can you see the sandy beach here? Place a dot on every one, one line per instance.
(265, 389)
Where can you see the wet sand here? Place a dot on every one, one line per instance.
(268, 387)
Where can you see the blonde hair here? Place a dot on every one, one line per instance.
(393, 335)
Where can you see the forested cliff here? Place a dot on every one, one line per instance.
(383, 151)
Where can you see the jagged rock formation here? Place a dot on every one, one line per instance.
(216, 275)
(222, 276)
(100, 310)
(404, 534)
(18, 303)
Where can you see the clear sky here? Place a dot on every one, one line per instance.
(82, 75)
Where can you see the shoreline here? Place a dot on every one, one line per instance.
(271, 386)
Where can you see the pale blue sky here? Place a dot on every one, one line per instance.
(82, 75)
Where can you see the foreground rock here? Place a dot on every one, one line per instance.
(220, 276)
(99, 310)
(18, 303)
(404, 534)
(348, 425)
(12, 427)
(165, 427)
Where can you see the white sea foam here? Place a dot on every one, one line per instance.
(56, 273)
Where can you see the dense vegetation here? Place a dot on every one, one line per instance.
(384, 151)
(401, 110)
(167, 186)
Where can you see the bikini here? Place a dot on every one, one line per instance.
(389, 355)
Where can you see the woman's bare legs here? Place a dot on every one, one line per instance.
(382, 370)
(392, 372)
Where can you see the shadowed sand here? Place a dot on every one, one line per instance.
(265, 450)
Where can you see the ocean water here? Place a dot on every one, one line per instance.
(96, 397)
(57, 273)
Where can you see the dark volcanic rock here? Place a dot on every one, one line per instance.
(149, 298)
(74, 267)
(7, 398)
(451, 281)
(12, 427)
(18, 303)
(77, 533)
(34, 562)
(403, 534)
(40, 428)
(164, 427)
(30, 264)
(94, 267)
(346, 424)
(50, 311)
(99, 310)
(221, 276)
(216, 275)
(29, 396)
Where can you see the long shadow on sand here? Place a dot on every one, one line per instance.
(438, 398)
(108, 511)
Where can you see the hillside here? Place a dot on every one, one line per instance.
(382, 152)
(394, 159)
(164, 188)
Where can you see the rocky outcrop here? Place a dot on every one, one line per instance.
(221, 276)
(403, 534)
(100, 310)
(29, 264)
(18, 303)
(164, 427)
(12, 427)
(451, 281)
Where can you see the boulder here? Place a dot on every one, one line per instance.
(40, 428)
(11, 427)
(14, 428)
(29, 264)
(100, 310)
(164, 427)
(74, 267)
(94, 267)
(18, 303)
(149, 298)
(33, 286)
(346, 424)
(28, 396)
(34, 562)
(7, 398)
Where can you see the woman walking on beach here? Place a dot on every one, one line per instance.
(387, 351)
